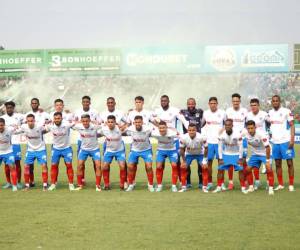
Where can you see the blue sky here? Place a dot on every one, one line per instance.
(97, 23)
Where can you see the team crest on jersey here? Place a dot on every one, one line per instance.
(197, 115)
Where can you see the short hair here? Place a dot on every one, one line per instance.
(277, 97)
(236, 95)
(192, 125)
(110, 98)
(2, 120)
(139, 98)
(254, 100)
(57, 113)
(85, 116)
(10, 103)
(58, 100)
(86, 97)
(229, 120)
(250, 122)
(111, 117)
(35, 99)
(162, 123)
(30, 116)
(191, 99)
(138, 117)
(213, 98)
(164, 96)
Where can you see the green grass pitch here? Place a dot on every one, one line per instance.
(144, 220)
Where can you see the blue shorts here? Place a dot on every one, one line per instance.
(255, 161)
(104, 146)
(94, 154)
(161, 155)
(40, 156)
(177, 145)
(66, 153)
(212, 152)
(230, 160)
(245, 148)
(134, 156)
(190, 158)
(8, 159)
(109, 156)
(282, 151)
(17, 151)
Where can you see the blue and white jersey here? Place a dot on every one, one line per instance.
(88, 136)
(260, 120)
(193, 146)
(140, 139)
(147, 116)
(15, 120)
(113, 138)
(35, 137)
(238, 117)
(165, 142)
(230, 144)
(280, 128)
(5, 141)
(61, 134)
(120, 117)
(257, 143)
(41, 118)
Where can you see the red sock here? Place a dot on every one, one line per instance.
(19, 170)
(27, 175)
(122, 177)
(179, 172)
(250, 177)
(270, 176)
(256, 173)
(134, 173)
(14, 176)
(242, 183)
(98, 180)
(70, 173)
(45, 177)
(174, 174)
(130, 176)
(220, 179)
(183, 173)
(7, 173)
(279, 177)
(205, 178)
(291, 180)
(54, 173)
(150, 177)
(79, 180)
(83, 171)
(159, 175)
(230, 173)
(106, 177)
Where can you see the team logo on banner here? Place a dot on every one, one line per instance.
(223, 59)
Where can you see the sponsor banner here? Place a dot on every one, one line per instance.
(297, 133)
(60, 62)
(84, 61)
(247, 58)
(13, 62)
(163, 60)
(297, 57)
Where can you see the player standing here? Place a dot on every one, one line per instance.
(214, 119)
(61, 148)
(282, 136)
(238, 115)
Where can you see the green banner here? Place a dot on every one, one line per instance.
(60, 61)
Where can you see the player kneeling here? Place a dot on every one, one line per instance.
(191, 148)
(89, 148)
(6, 151)
(260, 154)
(230, 154)
(140, 147)
(166, 149)
(61, 148)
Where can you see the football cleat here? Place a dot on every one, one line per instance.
(6, 185)
(98, 188)
(291, 188)
(205, 189)
(251, 189)
(52, 187)
(183, 189)
(14, 188)
(159, 188)
(71, 187)
(271, 191)
(256, 184)
(151, 188)
(130, 188)
(279, 187)
(217, 190)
